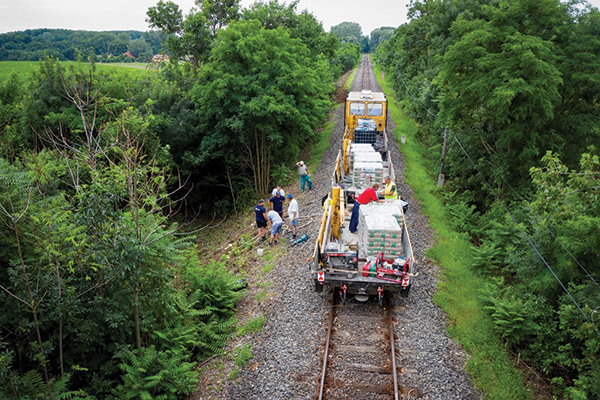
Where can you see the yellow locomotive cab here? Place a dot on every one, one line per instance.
(365, 109)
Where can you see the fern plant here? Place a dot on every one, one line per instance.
(152, 374)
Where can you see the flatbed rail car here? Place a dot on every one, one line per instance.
(372, 261)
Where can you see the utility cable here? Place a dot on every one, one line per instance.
(527, 237)
(495, 168)
(511, 216)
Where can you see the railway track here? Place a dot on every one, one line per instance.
(360, 353)
(359, 359)
(367, 68)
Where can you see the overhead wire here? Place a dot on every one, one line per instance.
(528, 239)
(546, 226)
(515, 221)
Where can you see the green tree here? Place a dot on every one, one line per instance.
(187, 39)
(379, 36)
(140, 49)
(190, 38)
(348, 32)
(88, 254)
(260, 99)
(347, 57)
(503, 84)
(303, 25)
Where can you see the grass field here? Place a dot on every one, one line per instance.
(458, 293)
(26, 68)
(142, 66)
(21, 67)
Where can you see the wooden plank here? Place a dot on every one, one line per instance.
(372, 387)
(362, 349)
(366, 368)
(413, 392)
(374, 337)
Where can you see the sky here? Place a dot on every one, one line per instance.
(107, 15)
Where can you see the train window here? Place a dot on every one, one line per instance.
(375, 110)
(357, 108)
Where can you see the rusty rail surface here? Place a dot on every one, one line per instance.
(328, 339)
(327, 345)
(392, 346)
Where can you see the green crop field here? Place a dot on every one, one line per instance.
(26, 68)
(22, 67)
(141, 66)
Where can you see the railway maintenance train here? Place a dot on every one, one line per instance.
(378, 257)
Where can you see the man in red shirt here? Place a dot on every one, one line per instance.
(370, 194)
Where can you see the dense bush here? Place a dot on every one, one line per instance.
(513, 82)
(89, 254)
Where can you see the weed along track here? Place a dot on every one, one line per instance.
(359, 357)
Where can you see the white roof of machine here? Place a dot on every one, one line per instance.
(366, 95)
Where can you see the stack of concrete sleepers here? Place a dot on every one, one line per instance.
(359, 148)
(393, 208)
(365, 174)
(379, 232)
(366, 165)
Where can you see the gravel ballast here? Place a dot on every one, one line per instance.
(287, 351)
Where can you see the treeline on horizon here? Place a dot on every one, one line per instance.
(132, 46)
(517, 86)
(70, 45)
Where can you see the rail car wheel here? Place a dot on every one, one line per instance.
(404, 292)
(318, 286)
(343, 297)
(380, 295)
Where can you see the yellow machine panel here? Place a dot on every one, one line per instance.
(366, 109)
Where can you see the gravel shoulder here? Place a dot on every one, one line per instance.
(287, 351)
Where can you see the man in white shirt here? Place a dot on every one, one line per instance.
(276, 223)
(280, 190)
(293, 213)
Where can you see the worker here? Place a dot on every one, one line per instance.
(276, 223)
(389, 191)
(280, 190)
(261, 219)
(277, 203)
(304, 174)
(293, 213)
(370, 194)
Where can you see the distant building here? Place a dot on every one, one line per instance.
(160, 58)
(128, 54)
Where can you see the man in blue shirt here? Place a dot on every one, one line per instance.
(277, 204)
(261, 219)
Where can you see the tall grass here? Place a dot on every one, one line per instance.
(350, 79)
(458, 292)
(322, 144)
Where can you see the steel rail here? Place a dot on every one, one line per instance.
(392, 348)
(327, 345)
